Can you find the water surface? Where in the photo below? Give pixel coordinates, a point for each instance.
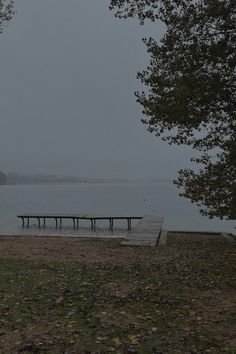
(160, 198)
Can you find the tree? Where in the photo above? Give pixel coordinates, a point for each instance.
(191, 92)
(6, 12)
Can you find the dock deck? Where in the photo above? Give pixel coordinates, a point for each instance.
(145, 233)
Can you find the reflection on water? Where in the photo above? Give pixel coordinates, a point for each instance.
(133, 198)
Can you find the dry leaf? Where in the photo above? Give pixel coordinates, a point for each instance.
(116, 341)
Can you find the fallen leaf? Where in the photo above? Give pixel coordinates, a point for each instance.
(155, 329)
(133, 339)
(59, 300)
(116, 341)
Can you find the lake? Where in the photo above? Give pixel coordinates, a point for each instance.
(160, 198)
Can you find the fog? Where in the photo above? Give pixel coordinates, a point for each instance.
(67, 105)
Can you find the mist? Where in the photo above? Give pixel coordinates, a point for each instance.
(67, 105)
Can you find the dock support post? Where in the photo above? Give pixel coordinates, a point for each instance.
(44, 222)
(129, 224)
(60, 223)
(23, 222)
(56, 222)
(39, 222)
(111, 224)
(77, 223)
(74, 223)
(27, 222)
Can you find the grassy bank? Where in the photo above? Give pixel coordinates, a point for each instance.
(79, 296)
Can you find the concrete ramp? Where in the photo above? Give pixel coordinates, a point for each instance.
(145, 233)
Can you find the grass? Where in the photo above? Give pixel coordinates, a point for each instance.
(175, 299)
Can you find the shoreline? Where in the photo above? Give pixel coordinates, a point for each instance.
(111, 234)
(88, 249)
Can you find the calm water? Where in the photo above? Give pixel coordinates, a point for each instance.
(132, 198)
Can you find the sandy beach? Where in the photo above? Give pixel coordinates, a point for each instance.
(88, 250)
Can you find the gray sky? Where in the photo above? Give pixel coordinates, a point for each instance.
(67, 77)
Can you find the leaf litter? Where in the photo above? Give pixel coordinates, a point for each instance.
(174, 299)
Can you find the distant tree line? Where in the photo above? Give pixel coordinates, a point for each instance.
(15, 178)
(3, 178)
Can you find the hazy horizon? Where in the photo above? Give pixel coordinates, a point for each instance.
(11, 174)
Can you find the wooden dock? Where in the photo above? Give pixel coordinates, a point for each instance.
(58, 218)
(145, 233)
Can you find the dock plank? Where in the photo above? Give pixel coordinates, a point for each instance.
(145, 233)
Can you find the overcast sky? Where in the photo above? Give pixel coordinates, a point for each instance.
(67, 77)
